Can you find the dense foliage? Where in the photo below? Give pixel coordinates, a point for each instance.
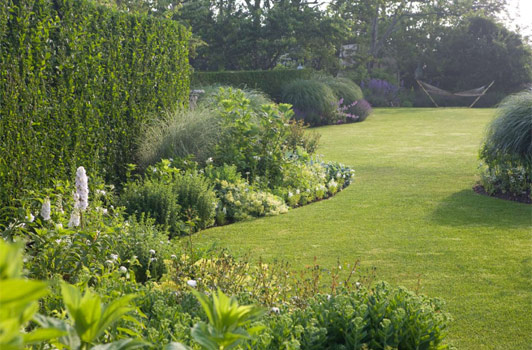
(507, 149)
(256, 160)
(131, 315)
(182, 202)
(76, 80)
(271, 82)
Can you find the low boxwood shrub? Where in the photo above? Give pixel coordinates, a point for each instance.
(312, 101)
(507, 148)
(155, 199)
(180, 201)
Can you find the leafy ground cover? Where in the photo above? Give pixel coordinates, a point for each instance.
(412, 214)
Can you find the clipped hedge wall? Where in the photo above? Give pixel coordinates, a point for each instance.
(268, 81)
(76, 79)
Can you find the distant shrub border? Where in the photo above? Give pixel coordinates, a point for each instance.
(76, 80)
(268, 81)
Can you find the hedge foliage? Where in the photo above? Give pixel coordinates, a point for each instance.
(268, 81)
(76, 80)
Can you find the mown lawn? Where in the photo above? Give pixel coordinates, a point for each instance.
(411, 213)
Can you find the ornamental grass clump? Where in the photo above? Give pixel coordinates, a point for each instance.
(180, 133)
(507, 148)
(345, 89)
(312, 100)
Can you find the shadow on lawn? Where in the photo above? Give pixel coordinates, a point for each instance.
(467, 208)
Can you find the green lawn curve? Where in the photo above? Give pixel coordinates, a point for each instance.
(412, 214)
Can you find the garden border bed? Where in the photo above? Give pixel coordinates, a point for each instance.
(525, 198)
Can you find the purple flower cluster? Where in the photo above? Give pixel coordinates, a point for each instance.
(382, 89)
(381, 86)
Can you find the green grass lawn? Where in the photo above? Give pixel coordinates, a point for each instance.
(411, 213)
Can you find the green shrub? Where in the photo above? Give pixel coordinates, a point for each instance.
(312, 101)
(507, 148)
(254, 142)
(156, 199)
(197, 199)
(76, 80)
(179, 134)
(181, 202)
(270, 81)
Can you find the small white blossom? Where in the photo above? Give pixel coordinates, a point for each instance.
(58, 226)
(153, 259)
(290, 194)
(46, 209)
(275, 310)
(297, 191)
(114, 256)
(109, 262)
(173, 256)
(123, 269)
(58, 241)
(209, 160)
(357, 284)
(192, 283)
(30, 217)
(152, 251)
(101, 192)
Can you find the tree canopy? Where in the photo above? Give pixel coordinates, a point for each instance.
(458, 44)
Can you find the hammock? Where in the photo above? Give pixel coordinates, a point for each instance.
(478, 92)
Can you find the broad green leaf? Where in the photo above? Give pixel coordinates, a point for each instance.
(69, 339)
(42, 334)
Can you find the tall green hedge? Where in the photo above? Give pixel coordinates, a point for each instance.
(76, 79)
(268, 81)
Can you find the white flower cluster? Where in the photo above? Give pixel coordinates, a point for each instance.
(46, 209)
(81, 197)
(82, 189)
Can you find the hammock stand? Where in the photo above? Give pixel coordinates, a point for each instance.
(479, 92)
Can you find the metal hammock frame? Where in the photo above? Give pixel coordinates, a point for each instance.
(478, 92)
